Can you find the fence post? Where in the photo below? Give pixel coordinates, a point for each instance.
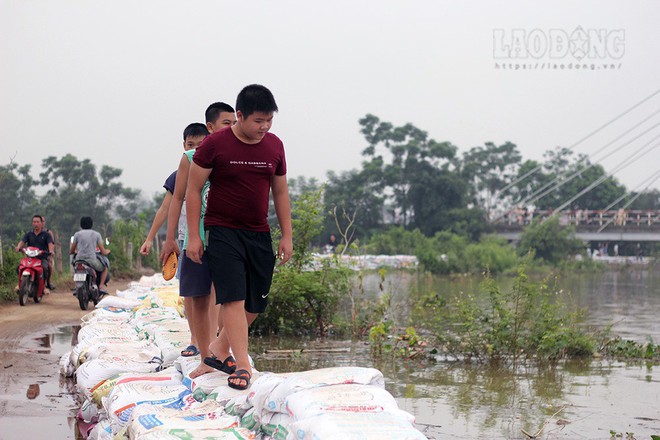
(58, 253)
(129, 252)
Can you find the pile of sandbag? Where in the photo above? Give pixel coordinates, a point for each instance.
(133, 383)
(361, 262)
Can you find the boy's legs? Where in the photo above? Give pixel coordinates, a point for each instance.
(220, 346)
(188, 307)
(195, 287)
(214, 316)
(201, 325)
(236, 328)
(242, 265)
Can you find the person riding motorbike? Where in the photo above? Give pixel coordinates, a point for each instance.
(41, 239)
(85, 243)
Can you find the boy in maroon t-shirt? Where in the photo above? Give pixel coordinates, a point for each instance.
(243, 164)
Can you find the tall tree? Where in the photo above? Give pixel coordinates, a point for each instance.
(77, 189)
(17, 199)
(489, 169)
(573, 176)
(407, 162)
(358, 194)
(646, 200)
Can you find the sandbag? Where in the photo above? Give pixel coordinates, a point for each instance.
(275, 425)
(67, 369)
(342, 398)
(106, 314)
(276, 401)
(91, 373)
(101, 431)
(363, 426)
(118, 302)
(123, 399)
(201, 434)
(169, 376)
(206, 415)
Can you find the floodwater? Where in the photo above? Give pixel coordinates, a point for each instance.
(597, 399)
(594, 399)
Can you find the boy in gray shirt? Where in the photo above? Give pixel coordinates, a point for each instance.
(85, 243)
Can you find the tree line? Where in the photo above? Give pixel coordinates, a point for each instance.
(405, 180)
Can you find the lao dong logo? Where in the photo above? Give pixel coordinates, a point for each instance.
(556, 44)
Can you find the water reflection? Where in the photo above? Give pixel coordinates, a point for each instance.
(573, 399)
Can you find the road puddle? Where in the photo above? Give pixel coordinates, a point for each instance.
(43, 406)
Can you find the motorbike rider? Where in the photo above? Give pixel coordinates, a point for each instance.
(85, 243)
(41, 239)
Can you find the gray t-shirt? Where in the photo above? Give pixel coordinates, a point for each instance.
(86, 241)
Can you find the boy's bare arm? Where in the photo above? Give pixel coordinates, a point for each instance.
(174, 212)
(159, 219)
(196, 179)
(280, 190)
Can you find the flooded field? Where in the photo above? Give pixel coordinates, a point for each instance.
(595, 399)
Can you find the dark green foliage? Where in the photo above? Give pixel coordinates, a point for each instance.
(626, 349)
(549, 241)
(561, 177)
(17, 199)
(446, 252)
(529, 320)
(126, 236)
(303, 300)
(77, 189)
(8, 275)
(488, 170)
(411, 174)
(354, 192)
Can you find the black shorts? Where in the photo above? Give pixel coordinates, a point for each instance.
(242, 264)
(195, 278)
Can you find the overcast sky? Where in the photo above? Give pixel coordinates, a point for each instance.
(117, 81)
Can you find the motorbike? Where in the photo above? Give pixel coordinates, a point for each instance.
(87, 283)
(31, 280)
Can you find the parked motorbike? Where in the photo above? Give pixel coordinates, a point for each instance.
(87, 283)
(31, 280)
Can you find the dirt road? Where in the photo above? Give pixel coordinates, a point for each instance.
(28, 366)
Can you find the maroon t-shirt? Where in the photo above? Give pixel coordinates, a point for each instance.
(240, 180)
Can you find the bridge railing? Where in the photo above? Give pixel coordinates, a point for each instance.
(586, 217)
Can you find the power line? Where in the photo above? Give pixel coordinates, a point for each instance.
(614, 203)
(529, 173)
(541, 192)
(534, 196)
(602, 178)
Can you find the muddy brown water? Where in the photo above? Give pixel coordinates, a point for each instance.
(576, 400)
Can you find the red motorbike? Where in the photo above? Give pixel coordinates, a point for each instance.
(31, 280)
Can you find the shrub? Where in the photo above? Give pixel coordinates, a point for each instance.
(528, 320)
(549, 241)
(304, 300)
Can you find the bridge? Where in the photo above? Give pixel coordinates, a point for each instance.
(590, 225)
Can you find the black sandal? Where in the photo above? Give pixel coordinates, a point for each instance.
(228, 366)
(243, 375)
